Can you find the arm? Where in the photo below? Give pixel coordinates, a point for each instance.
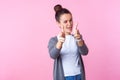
(80, 42)
(54, 47)
(82, 47)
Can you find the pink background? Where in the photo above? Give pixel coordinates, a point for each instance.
(27, 25)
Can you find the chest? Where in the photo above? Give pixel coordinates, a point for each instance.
(69, 47)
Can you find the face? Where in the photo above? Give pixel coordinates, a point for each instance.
(66, 23)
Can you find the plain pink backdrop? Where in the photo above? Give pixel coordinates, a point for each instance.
(27, 25)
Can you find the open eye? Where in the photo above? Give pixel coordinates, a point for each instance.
(70, 20)
(65, 21)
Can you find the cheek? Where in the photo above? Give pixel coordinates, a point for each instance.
(65, 26)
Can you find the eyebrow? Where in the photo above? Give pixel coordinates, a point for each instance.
(68, 20)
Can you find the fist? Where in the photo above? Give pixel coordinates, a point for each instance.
(61, 35)
(76, 32)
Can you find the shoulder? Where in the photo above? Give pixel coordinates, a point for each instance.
(53, 39)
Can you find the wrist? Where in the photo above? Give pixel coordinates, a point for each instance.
(79, 39)
(59, 44)
(80, 43)
(61, 39)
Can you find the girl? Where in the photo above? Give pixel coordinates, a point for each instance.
(66, 48)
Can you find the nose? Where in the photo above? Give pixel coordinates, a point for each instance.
(69, 23)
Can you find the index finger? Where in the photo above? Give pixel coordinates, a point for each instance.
(76, 25)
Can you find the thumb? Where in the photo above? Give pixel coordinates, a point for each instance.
(75, 30)
(62, 33)
(76, 25)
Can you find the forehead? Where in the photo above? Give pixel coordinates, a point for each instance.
(64, 17)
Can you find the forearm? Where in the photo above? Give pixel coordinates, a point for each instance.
(53, 50)
(82, 48)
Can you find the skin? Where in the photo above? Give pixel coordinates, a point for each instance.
(66, 25)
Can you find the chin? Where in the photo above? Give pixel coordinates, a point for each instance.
(69, 32)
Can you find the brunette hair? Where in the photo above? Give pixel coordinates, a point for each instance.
(59, 11)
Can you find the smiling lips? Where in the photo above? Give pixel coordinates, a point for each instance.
(70, 28)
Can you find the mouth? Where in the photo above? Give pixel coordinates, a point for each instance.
(69, 28)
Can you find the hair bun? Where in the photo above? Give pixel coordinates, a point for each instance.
(57, 7)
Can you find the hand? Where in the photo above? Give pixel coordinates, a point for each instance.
(76, 32)
(77, 36)
(61, 39)
(61, 35)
